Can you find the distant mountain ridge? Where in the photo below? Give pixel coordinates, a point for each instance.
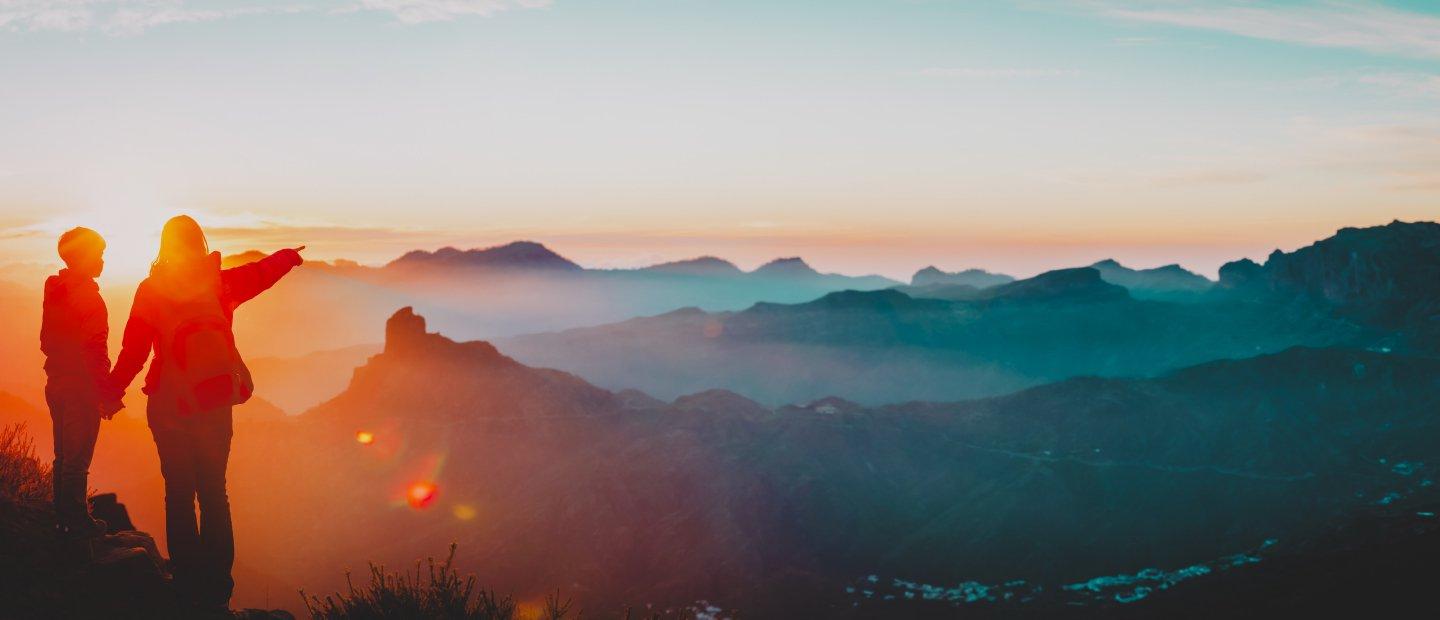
(880, 346)
(1080, 284)
(514, 288)
(1388, 275)
(514, 255)
(978, 278)
(702, 265)
(1373, 288)
(1169, 280)
(530, 255)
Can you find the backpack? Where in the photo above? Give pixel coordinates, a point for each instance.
(205, 369)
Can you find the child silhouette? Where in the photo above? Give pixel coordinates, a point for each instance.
(73, 332)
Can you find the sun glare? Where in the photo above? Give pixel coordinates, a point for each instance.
(421, 494)
(131, 230)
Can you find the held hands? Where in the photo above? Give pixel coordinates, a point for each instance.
(109, 407)
(110, 399)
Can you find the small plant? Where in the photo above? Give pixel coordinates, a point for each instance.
(440, 594)
(24, 479)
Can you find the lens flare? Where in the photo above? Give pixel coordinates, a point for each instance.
(464, 512)
(365, 437)
(421, 495)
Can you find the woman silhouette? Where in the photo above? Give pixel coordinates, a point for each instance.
(183, 312)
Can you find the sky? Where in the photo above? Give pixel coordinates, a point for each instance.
(868, 136)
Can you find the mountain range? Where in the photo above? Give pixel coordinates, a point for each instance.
(882, 346)
(1095, 440)
(961, 341)
(510, 289)
(630, 499)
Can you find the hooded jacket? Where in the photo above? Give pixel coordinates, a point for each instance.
(74, 330)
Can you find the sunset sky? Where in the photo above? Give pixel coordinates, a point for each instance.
(868, 136)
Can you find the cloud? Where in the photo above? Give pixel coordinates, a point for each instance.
(1397, 156)
(18, 232)
(1416, 85)
(1353, 25)
(1211, 178)
(1000, 73)
(1134, 41)
(1394, 84)
(421, 11)
(130, 17)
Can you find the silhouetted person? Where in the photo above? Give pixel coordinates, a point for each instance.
(73, 331)
(183, 313)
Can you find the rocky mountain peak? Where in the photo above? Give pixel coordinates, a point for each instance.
(978, 278)
(786, 267)
(405, 331)
(514, 255)
(1077, 284)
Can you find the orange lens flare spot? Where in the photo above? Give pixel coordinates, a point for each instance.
(421, 494)
(365, 437)
(464, 512)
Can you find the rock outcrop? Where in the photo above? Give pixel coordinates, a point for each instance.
(978, 278)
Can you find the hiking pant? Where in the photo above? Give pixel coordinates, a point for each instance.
(75, 417)
(194, 451)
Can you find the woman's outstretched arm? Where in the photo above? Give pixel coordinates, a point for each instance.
(243, 283)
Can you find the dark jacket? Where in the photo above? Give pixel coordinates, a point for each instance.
(74, 329)
(234, 286)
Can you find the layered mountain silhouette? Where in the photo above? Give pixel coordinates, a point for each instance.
(1367, 288)
(978, 278)
(883, 346)
(1387, 275)
(1167, 282)
(514, 288)
(713, 496)
(521, 255)
(702, 266)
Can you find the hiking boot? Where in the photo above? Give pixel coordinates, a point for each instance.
(84, 530)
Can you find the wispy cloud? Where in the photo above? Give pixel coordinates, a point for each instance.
(1399, 156)
(130, 17)
(997, 73)
(1356, 25)
(1134, 41)
(1395, 84)
(1213, 177)
(421, 11)
(1418, 85)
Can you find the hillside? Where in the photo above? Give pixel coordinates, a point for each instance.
(1168, 282)
(883, 346)
(719, 498)
(1386, 275)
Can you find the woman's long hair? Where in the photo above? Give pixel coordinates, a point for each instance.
(184, 254)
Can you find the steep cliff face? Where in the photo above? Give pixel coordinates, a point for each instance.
(1386, 275)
